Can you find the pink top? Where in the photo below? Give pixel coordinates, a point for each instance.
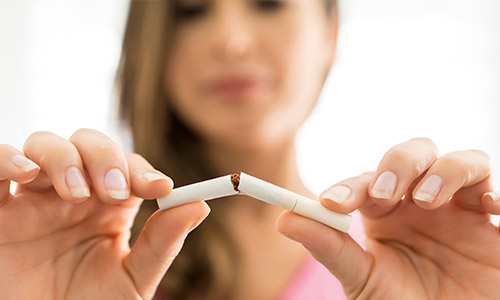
(313, 280)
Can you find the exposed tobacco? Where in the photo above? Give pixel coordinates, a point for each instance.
(235, 180)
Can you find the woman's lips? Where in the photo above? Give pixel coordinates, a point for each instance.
(235, 87)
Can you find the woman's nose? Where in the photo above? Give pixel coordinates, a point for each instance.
(233, 37)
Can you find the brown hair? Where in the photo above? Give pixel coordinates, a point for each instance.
(207, 264)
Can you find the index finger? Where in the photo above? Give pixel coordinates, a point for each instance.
(352, 194)
(105, 163)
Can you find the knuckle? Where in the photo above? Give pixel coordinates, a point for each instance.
(482, 155)
(47, 147)
(37, 135)
(408, 160)
(59, 155)
(82, 132)
(453, 165)
(424, 140)
(417, 145)
(136, 161)
(473, 162)
(399, 154)
(39, 140)
(449, 160)
(94, 142)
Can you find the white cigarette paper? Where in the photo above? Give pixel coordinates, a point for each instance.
(200, 191)
(293, 202)
(259, 189)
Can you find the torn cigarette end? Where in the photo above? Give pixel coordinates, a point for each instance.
(199, 191)
(235, 180)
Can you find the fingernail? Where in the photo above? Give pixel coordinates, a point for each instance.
(494, 196)
(429, 189)
(116, 185)
(24, 164)
(385, 185)
(153, 176)
(76, 183)
(338, 194)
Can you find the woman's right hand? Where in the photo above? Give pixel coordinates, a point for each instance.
(64, 232)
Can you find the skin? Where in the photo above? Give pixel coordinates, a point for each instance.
(54, 245)
(246, 39)
(444, 249)
(253, 131)
(57, 246)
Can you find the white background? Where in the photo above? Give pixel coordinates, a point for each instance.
(404, 69)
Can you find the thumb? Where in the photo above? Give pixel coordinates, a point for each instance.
(159, 243)
(336, 250)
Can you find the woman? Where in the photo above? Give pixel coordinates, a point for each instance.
(215, 87)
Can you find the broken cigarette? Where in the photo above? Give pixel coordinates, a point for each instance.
(204, 190)
(245, 184)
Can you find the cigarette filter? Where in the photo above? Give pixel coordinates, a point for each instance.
(248, 185)
(200, 191)
(293, 202)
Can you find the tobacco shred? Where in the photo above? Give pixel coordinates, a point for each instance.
(235, 180)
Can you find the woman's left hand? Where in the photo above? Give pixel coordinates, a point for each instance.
(427, 224)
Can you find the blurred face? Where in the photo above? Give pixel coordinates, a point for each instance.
(246, 73)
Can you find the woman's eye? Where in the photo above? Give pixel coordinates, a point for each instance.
(190, 12)
(269, 5)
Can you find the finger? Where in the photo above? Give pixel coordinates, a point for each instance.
(351, 194)
(399, 167)
(471, 197)
(14, 166)
(336, 250)
(348, 195)
(450, 173)
(491, 202)
(159, 243)
(60, 160)
(146, 182)
(105, 163)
